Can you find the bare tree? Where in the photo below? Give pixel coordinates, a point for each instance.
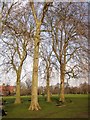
(46, 65)
(15, 53)
(38, 22)
(16, 41)
(67, 30)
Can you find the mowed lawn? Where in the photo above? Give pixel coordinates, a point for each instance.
(78, 108)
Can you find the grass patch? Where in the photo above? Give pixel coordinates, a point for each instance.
(78, 108)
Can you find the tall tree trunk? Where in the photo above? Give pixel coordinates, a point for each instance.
(18, 99)
(34, 97)
(62, 77)
(34, 94)
(48, 88)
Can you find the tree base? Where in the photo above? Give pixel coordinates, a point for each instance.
(62, 100)
(49, 101)
(17, 102)
(34, 106)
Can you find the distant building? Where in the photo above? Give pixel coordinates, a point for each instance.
(7, 90)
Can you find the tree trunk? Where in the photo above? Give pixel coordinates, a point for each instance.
(18, 99)
(62, 77)
(62, 70)
(34, 94)
(48, 88)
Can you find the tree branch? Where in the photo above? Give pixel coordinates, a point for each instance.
(45, 9)
(33, 11)
(71, 55)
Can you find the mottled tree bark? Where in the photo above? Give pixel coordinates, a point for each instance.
(34, 97)
(62, 77)
(18, 99)
(48, 87)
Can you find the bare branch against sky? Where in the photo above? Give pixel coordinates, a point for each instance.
(10, 1)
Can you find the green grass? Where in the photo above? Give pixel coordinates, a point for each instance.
(78, 108)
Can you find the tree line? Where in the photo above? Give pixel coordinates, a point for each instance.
(83, 88)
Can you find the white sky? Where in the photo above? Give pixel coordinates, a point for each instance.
(11, 79)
